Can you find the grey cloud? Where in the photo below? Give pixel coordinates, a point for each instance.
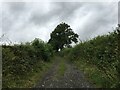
(100, 21)
(11, 13)
(27, 19)
(61, 10)
(16, 7)
(68, 9)
(119, 12)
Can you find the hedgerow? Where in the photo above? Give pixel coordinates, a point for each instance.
(103, 52)
(18, 60)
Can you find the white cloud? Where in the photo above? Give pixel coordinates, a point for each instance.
(26, 21)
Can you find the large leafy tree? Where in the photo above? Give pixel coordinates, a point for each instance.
(62, 36)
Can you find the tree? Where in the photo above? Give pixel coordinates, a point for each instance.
(62, 36)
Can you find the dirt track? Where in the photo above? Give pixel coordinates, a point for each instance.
(72, 77)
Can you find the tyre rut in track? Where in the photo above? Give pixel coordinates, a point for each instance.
(72, 78)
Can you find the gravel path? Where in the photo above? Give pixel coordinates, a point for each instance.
(72, 78)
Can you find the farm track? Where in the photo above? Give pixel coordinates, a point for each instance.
(71, 78)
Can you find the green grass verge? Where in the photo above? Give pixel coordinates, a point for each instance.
(94, 75)
(31, 78)
(61, 69)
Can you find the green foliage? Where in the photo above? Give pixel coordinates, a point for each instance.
(62, 37)
(118, 54)
(18, 60)
(42, 50)
(103, 52)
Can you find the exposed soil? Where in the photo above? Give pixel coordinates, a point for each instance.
(72, 78)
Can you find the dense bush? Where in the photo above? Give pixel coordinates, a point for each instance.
(118, 54)
(18, 60)
(102, 51)
(42, 50)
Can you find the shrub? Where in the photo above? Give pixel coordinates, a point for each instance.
(101, 51)
(18, 60)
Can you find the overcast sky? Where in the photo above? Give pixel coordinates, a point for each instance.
(24, 21)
